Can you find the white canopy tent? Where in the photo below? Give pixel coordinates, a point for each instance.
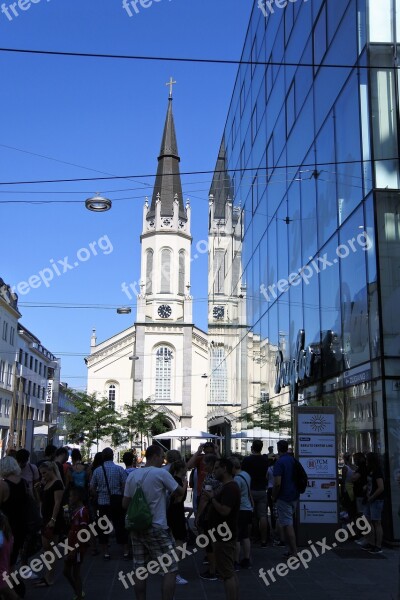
(270, 438)
(186, 433)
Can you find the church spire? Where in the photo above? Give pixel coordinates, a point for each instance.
(168, 180)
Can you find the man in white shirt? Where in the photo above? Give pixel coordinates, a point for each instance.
(157, 540)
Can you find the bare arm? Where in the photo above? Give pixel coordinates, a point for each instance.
(58, 496)
(277, 487)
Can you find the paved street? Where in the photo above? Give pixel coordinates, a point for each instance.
(343, 574)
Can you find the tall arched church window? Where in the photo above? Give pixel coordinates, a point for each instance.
(165, 271)
(112, 395)
(181, 282)
(163, 373)
(149, 271)
(218, 390)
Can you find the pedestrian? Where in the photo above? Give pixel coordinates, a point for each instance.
(374, 503)
(6, 543)
(224, 510)
(286, 494)
(14, 504)
(108, 482)
(93, 504)
(176, 509)
(157, 540)
(245, 514)
(129, 460)
(79, 521)
(52, 513)
(77, 475)
(197, 462)
(210, 483)
(29, 472)
(256, 466)
(171, 456)
(49, 454)
(347, 487)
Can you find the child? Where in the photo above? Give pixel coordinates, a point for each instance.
(79, 521)
(6, 544)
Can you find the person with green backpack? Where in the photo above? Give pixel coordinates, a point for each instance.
(145, 499)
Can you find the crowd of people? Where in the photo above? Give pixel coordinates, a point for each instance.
(237, 502)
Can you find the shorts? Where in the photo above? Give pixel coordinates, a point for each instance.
(224, 553)
(244, 520)
(117, 518)
(150, 545)
(286, 510)
(260, 503)
(373, 510)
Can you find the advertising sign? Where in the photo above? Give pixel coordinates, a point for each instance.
(316, 450)
(315, 445)
(320, 466)
(49, 392)
(318, 512)
(320, 489)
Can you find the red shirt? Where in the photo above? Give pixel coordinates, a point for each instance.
(79, 521)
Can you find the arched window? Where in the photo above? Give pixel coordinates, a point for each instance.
(163, 373)
(112, 394)
(149, 271)
(181, 282)
(218, 390)
(165, 271)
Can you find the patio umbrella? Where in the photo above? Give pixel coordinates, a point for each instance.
(186, 433)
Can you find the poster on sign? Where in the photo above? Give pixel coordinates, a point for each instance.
(316, 445)
(319, 466)
(320, 490)
(318, 512)
(316, 423)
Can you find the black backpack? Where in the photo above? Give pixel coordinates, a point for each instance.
(299, 477)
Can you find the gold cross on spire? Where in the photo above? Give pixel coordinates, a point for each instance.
(171, 82)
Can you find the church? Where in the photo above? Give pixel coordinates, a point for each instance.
(162, 357)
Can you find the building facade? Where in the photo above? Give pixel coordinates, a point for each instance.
(168, 352)
(309, 158)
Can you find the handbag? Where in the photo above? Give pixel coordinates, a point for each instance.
(115, 499)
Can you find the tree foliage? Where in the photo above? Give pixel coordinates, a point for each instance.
(141, 419)
(94, 420)
(269, 417)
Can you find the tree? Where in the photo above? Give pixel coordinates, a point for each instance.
(140, 418)
(269, 417)
(94, 420)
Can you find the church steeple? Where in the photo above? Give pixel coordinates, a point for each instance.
(168, 185)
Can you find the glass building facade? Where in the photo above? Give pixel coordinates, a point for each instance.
(310, 159)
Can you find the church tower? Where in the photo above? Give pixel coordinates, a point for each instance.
(166, 241)
(162, 357)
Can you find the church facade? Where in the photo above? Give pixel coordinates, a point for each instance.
(162, 357)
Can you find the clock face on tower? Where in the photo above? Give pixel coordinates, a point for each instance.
(218, 312)
(164, 311)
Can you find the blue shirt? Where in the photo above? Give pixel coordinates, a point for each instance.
(284, 467)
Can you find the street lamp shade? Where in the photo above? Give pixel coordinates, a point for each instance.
(98, 203)
(124, 310)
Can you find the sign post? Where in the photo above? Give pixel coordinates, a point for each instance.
(316, 449)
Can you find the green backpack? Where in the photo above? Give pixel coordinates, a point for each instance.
(138, 516)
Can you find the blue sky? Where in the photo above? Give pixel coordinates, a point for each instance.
(105, 115)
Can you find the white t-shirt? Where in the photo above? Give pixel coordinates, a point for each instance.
(156, 483)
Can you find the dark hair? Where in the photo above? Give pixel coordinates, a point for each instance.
(76, 455)
(23, 455)
(108, 454)
(97, 461)
(373, 461)
(153, 450)
(128, 459)
(358, 458)
(50, 450)
(257, 445)
(226, 463)
(172, 456)
(62, 451)
(282, 446)
(208, 445)
(177, 466)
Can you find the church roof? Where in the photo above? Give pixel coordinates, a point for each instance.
(168, 179)
(222, 186)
